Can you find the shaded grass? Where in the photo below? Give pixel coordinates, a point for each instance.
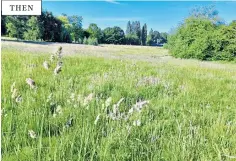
(191, 115)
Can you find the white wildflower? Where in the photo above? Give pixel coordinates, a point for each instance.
(46, 65)
(32, 134)
(30, 82)
(137, 123)
(97, 118)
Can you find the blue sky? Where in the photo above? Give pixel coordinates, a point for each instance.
(159, 15)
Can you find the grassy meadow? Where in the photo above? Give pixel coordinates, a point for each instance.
(112, 107)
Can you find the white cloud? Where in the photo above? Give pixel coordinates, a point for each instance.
(112, 1)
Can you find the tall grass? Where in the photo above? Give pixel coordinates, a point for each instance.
(191, 113)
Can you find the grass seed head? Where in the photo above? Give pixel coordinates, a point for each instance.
(69, 123)
(108, 102)
(14, 93)
(57, 70)
(46, 65)
(96, 120)
(13, 86)
(52, 58)
(30, 82)
(19, 99)
(138, 106)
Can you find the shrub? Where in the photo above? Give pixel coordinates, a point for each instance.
(85, 41)
(80, 41)
(225, 43)
(132, 39)
(199, 38)
(92, 41)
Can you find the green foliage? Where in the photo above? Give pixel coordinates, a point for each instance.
(63, 28)
(128, 28)
(225, 42)
(114, 35)
(32, 29)
(76, 27)
(95, 32)
(66, 28)
(144, 34)
(92, 41)
(132, 39)
(80, 41)
(85, 41)
(51, 27)
(149, 40)
(199, 38)
(164, 36)
(134, 31)
(3, 25)
(16, 26)
(155, 38)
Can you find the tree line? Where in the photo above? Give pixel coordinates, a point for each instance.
(64, 28)
(205, 36)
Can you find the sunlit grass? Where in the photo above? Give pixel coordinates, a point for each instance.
(191, 113)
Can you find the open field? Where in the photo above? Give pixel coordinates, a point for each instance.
(92, 109)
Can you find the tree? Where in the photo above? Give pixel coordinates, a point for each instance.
(144, 34)
(51, 27)
(164, 36)
(150, 37)
(76, 27)
(128, 28)
(32, 29)
(207, 12)
(16, 26)
(66, 28)
(136, 30)
(224, 42)
(114, 35)
(156, 37)
(95, 32)
(193, 39)
(132, 39)
(3, 25)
